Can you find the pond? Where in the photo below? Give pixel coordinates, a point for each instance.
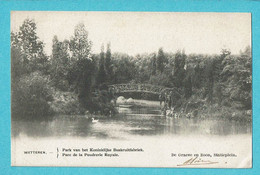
(129, 123)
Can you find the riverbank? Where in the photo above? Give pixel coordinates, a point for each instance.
(203, 110)
(193, 109)
(67, 103)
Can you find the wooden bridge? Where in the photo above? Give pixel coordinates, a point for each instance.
(142, 88)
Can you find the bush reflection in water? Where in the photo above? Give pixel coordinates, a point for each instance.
(130, 122)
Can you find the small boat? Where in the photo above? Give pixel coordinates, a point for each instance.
(93, 120)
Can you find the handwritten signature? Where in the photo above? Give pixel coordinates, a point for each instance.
(196, 161)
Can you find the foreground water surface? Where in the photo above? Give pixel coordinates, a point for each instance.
(129, 123)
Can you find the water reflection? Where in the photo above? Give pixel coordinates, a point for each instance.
(130, 122)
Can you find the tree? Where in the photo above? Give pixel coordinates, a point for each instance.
(80, 44)
(108, 66)
(59, 63)
(179, 68)
(30, 84)
(225, 52)
(188, 87)
(237, 78)
(18, 66)
(82, 68)
(197, 76)
(101, 76)
(124, 68)
(160, 61)
(31, 48)
(209, 74)
(153, 64)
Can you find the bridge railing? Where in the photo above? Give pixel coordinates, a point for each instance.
(117, 88)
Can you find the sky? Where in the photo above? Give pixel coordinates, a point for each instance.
(145, 32)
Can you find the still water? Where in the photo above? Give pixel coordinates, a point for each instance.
(129, 123)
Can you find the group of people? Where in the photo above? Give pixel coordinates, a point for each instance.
(168, 102)
(168, 99)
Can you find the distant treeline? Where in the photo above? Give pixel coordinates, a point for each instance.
(39, 81)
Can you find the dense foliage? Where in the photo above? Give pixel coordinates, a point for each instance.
(224, 80)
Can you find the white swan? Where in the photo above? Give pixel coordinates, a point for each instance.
(93, 120)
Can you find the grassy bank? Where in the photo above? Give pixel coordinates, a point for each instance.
(200, 109)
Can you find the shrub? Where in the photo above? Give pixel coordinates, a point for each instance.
(30, 96)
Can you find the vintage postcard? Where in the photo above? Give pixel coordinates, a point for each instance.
(131, 89)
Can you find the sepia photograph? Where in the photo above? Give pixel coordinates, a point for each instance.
(131, 89)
